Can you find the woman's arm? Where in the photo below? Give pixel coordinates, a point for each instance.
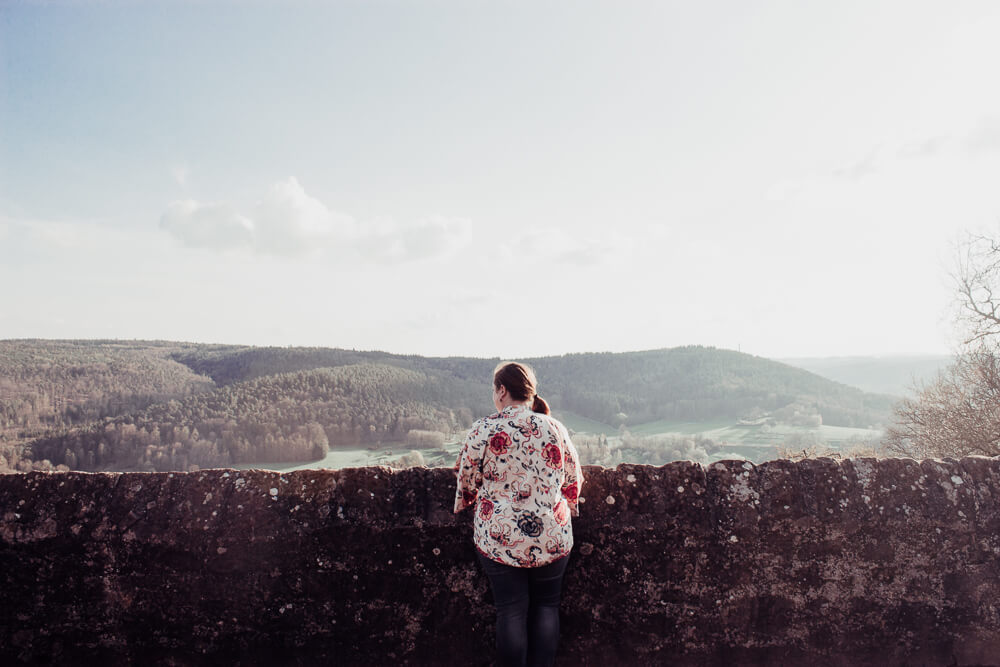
(573, 480)
(470, 468)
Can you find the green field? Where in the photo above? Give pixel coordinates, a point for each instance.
(680, 427)
(579, 424)
(734, 441)
(728, 432)
(833, 436)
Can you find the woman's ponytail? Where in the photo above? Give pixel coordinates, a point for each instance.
(519, 379)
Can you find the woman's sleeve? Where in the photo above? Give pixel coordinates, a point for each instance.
(470, 469)
(573, 481)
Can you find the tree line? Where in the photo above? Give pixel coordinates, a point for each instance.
(284, 417)
(170, 406)
(690, 383)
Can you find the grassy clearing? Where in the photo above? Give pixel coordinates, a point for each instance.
(735, 441)
(733, 436)
(680, 427)
(580, 424)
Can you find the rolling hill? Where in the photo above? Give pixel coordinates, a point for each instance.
(169, 406)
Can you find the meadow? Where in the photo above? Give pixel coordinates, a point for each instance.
(731, 439)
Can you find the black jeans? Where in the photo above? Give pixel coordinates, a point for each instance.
(527, 601)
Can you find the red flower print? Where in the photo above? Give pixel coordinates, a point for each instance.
(491, 472)
(552, 455)
(501, 534)
(485, 508)
(561, 513)
(499, 442)
(570, 492)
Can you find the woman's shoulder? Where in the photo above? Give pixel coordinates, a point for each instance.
(494, 417)
(553, 423)
(511, 417)
(487, 423)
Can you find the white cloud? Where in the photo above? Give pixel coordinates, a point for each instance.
(288, 222)
(285, 222)
(435, 236)
(214, 226)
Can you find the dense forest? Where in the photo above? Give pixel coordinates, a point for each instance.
(283, 417)
(678, 383)
(45, 384)
(95, 405)
(50, 387)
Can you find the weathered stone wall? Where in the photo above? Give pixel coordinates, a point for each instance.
(862, 562)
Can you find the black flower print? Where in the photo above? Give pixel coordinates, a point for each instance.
(530, 524)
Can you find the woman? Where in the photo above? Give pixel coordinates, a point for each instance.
(522, 474)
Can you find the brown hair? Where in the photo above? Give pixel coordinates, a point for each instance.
(519, 379)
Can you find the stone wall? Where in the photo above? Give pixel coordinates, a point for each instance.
(860, 562)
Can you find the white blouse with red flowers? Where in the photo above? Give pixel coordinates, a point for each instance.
(521, 471)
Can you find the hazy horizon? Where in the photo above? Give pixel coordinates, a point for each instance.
(516, 180)
(787, 360)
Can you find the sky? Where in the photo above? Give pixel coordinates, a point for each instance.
(496, 179)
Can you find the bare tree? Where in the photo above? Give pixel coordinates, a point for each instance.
(958, 413)
(978, 281)
(955, 415)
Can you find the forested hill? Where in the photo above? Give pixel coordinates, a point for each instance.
(677, 383)
(280, 417)
(55, 383)
(167, 406)
(697, 383)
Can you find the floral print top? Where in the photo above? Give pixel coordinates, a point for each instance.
(520, 471)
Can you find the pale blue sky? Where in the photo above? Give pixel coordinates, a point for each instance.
(495, 179)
